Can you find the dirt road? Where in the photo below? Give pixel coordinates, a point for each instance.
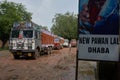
(60, 65)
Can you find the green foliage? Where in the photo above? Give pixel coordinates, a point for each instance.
(45, 28)
(65, 25)
(5, 48)
(11, 12)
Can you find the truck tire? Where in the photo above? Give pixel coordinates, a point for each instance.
(61, 47)
(16, 56)
(36, 54)
(49, 50)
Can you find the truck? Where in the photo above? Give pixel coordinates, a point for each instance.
(58, 42)
(73, 43)
(27, 39)
(66, 43)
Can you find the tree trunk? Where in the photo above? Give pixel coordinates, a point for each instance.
(3, 43)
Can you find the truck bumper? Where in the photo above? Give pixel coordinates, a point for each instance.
(23, 53)
(13, 51)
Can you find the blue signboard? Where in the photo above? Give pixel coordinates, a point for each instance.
(98, 30)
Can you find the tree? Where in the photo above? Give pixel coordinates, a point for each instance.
(65, 25)
(45, 28)
(11, 12)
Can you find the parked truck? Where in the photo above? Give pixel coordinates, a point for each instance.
(27, 39)
(73, 43)
(47, 41)
(66, 43)
(58, 42)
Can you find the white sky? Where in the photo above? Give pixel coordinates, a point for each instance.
(44, 10)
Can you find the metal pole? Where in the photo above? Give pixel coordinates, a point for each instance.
(76, 73)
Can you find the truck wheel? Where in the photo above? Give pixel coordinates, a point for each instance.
(61, 47)
(36, 54)
(49, 50)
(16, 56)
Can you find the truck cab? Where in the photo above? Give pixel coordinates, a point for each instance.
(24, 40)
(66, 43)
(58, 42)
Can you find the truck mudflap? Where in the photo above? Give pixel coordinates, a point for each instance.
(36, 54)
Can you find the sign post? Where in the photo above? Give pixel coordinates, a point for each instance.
(98, 30)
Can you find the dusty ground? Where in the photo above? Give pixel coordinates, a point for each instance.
(60, 65)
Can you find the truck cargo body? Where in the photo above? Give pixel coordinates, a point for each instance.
(47, 41)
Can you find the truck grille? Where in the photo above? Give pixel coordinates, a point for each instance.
(20, 45)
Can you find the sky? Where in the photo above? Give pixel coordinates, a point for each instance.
(43, 11)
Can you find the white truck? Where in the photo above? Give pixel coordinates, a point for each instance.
(28, 40)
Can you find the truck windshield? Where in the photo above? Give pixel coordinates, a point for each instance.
(66, 40)
(28, 33)
(15, 34)
(56, 40)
